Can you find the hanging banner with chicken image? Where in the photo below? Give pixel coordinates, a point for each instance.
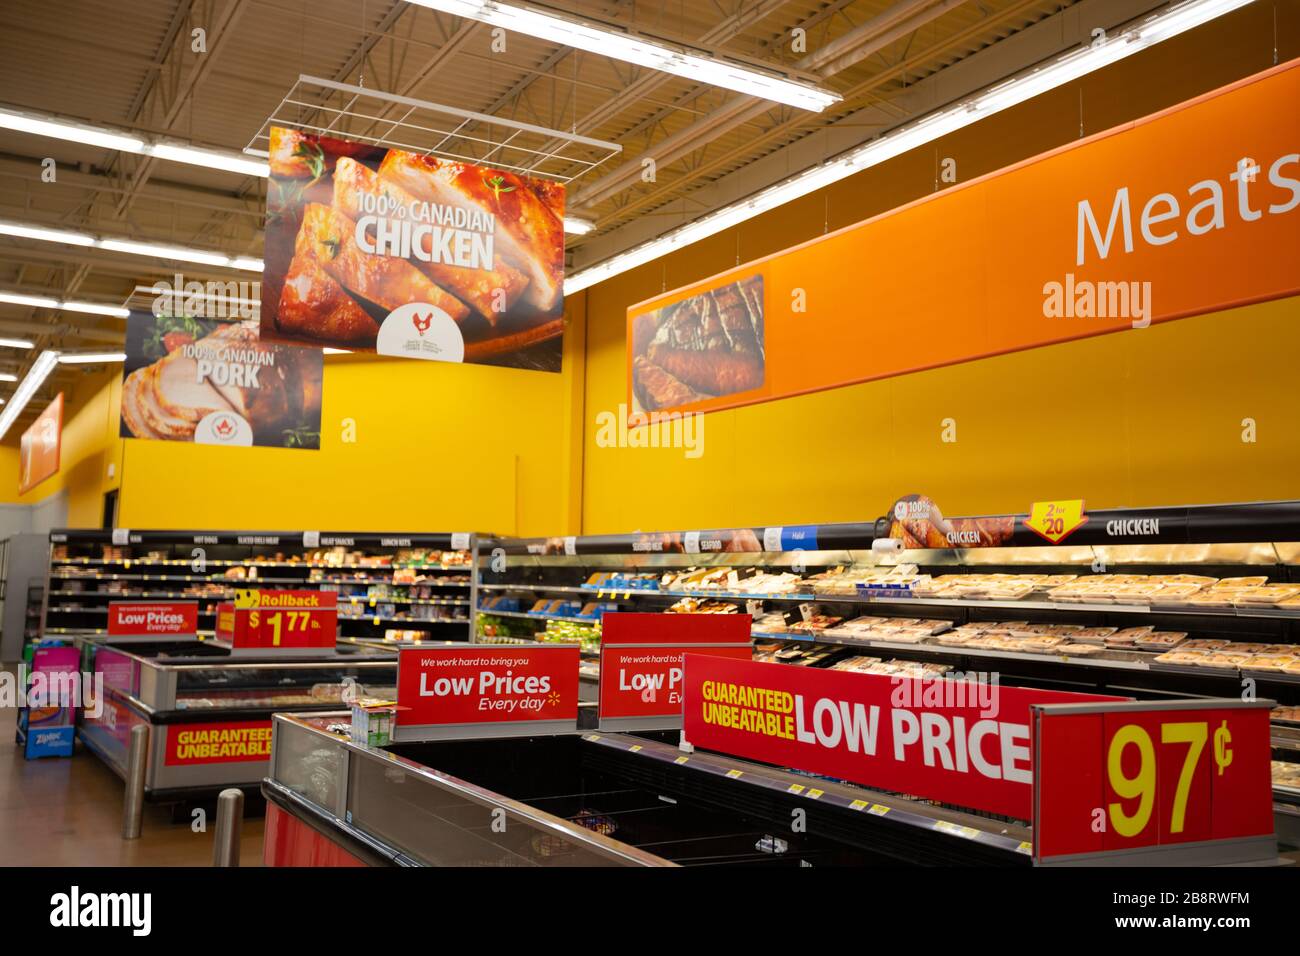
(411, 255)
(215, 382)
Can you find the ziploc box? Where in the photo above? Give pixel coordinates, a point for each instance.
(50, 725)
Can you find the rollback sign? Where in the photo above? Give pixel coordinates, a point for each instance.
(960, 742)
(457, 691)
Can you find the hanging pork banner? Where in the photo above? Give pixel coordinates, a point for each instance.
(410, 255)
(215, 382)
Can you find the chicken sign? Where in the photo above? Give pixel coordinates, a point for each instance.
(192, 377)
(404, 254)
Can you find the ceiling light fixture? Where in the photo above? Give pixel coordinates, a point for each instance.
(8, 377)
(16, 344)
(1173, 21)
(91, 358)
(35, 377)
(153, 250)
(578, 227)
(611, 42)
(44, 302)
(75, 132)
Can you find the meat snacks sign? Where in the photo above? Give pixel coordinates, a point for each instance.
(410, 255)
(217, 383)
(939, 739)
(458, 691)
(642, 663)
(153, 619)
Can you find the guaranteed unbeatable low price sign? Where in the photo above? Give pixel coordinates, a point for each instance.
(457, 691)
(966, 743)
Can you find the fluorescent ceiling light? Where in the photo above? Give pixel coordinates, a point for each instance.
(607, 41)
(91, 358)
(16, 344)
(578, 227)
(333, 351)
(35, 377)
(8, 377)
(46, 235)
(1175, 20)
(44, 302)
(153, 250)
(74, 132)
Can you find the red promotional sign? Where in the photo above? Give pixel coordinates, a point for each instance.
(961, 742)
(153, 618)
(642, 660)
(244, 741)
(1144, 776)
(449, 689)
(273, 621)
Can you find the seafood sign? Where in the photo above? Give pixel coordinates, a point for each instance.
(215, 382)
(409, 255)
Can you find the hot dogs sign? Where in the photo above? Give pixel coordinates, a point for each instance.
(411, 255)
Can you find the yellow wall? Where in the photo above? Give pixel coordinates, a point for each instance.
(1144, 417)
(437, 447)
(89, 445)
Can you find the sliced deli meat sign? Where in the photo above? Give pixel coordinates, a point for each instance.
(451, 691)
(150, 619)
(962, 742)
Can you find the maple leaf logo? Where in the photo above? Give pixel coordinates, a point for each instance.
(422, 324)
(224, 427)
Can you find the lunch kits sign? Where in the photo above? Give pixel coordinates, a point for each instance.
(410, 255)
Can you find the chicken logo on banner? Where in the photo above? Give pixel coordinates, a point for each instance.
(422, 324)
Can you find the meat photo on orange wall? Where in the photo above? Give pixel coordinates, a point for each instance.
(700, 348)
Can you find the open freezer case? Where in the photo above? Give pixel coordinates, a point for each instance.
(587, 800)
(209, 709)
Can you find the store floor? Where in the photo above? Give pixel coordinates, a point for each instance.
(68, 812)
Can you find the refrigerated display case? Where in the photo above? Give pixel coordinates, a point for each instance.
(394, 586)
(587, 800)
(1148, 602)
(208, 709)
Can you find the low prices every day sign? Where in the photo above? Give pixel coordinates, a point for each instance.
(153, 619)
(237, 742)
(469, 690)
(1124, 779)
(642, 663)
(271, 621)
(964, 742)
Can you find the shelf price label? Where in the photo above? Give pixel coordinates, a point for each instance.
(272, 621)
(1132, 778)
(1056, 520)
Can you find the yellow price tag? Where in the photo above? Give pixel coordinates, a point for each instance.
(1025, 848)
(815, 794)
(681, 760)
(1056, 520)
(796, 788)
(858, 805)
(733, 774)
(634, 748)
(878, 810)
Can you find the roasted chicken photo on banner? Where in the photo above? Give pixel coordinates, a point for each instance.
(411, 255)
